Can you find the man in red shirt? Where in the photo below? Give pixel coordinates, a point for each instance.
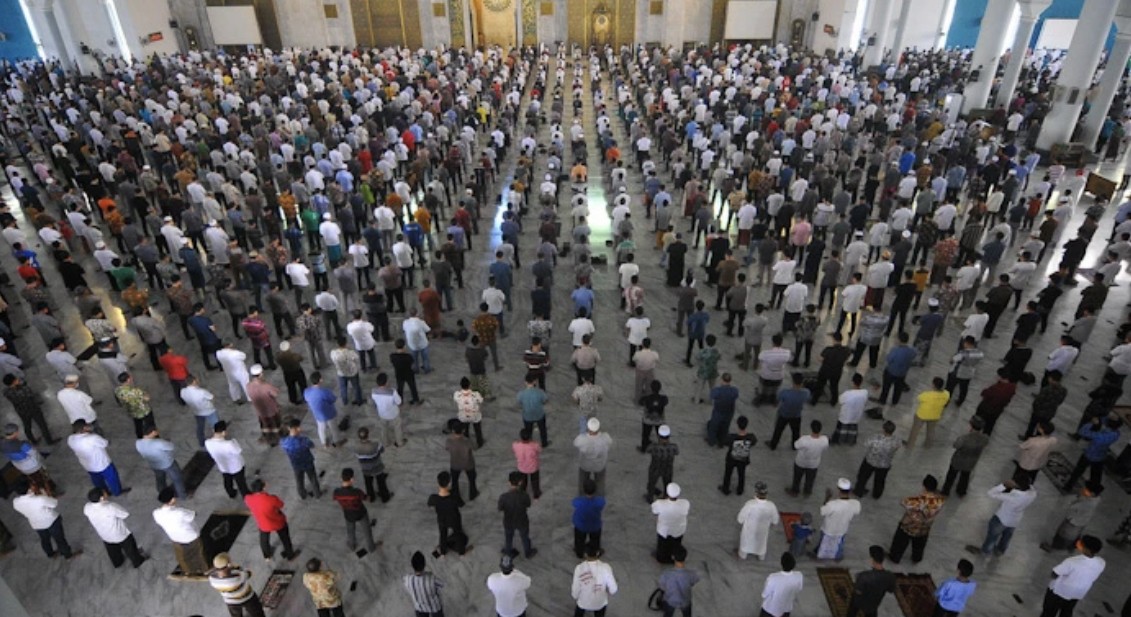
(267, 510)
(995, 399)
(176, 369)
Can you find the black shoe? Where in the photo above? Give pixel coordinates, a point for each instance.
(724, 490)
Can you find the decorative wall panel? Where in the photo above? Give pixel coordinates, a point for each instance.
(455, 21)
(530, 22)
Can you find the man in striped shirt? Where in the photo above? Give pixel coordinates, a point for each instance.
(234, 585)
(424, 589)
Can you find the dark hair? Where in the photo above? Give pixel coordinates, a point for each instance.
(788, 562)
(347, 473)
(965, 568)
(742, 422)
(815, 426)
(930, 483)
(444, 478)
(679, 554)
(877, 553)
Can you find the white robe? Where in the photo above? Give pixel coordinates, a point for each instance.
(235, 369)
(756, 518)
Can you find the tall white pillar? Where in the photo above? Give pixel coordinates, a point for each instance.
(1077, 71)
(900, 41)
(1018, 52)
(1113, 74)
(878, 27)
(987, 53)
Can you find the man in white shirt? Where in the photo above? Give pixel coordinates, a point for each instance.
(91, 451)
(388, 403)
(756, 518)
(509, 588)
(852, 404)
(636, 330)
(809, 450)
(331, 234)
(851, 301)
(76, 403)
(627, 270)
(361, 331)
(793, 302)
(416, 337)
(177, 522)
(780, 592)
(593, 583)
(1074, 577)
(109, 521)
(877, 278)
(228, 455)
(975, 324)
(40, 510)
(579, 327)
(837, 515)
(299, 274)
(671, 522)
(1015, 496)
(234, 364)
(783, 277)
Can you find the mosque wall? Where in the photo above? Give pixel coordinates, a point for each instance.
(303, 23)
(143, 20)
(18, 43)
(553, 25)
(435, 28)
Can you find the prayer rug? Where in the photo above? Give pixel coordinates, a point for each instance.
(1058, 469)
(196, 470)
(837, 584)
(915, 594)
(787, 521)
(221, 531)
(276, 588)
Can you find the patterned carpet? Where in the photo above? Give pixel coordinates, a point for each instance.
(837, 584)
(915, 594)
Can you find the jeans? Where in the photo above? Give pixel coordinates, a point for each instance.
(120, 551)
(473, 491)
(963, 478)
(344, 387)
(310, 473)
(541, 429)
(328, 429)
(107, 479)
(997, 537)
(733, 466)
(54, 532)
(284, 537)
(899, 545)
(366, 534)
(508, 539)
(205, 421)
(173, 474)
(779, 428)
(864, 473)
(669, 610)
(233, 480)
(799, 473)
(893, 384)
(584, 541)
(421, 361)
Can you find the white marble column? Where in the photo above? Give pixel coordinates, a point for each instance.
(987, 53)
(878, 27)
(1113, 74)
(1077, 71)
(901, 29)
(1030, 12)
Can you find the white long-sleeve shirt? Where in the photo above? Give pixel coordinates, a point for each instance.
(227, 453)
(780, 592)
(108, 520)
(1013, 503)
(593, 583)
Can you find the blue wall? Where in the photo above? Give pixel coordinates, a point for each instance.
(968, 19)
(18, 44)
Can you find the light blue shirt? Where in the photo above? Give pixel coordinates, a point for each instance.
(157, 452)
(954, 593)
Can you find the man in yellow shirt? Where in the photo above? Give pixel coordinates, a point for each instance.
(929, 411)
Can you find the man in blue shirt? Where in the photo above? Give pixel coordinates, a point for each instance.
(298, 449)
(696, 329)
(1100, 434)
(676, 583)
(954, 592)
(510, 231)
(587, 510)
(503, 274)
(790, 403)
(533, 401)
(724, 397)
(897, 365)
(321, 402)
(205, 332)
(582, 300)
